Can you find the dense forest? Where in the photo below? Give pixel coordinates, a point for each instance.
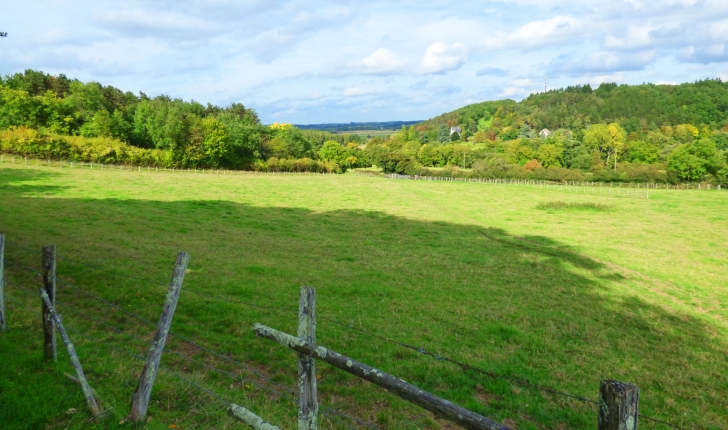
(614, 132)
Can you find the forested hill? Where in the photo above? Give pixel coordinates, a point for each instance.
(637, 108)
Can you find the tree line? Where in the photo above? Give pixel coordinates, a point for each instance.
(615, 132)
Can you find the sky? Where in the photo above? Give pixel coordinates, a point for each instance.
(324, 61)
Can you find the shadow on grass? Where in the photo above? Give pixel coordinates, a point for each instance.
(521, 306)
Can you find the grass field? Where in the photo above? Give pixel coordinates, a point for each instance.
(562, 289)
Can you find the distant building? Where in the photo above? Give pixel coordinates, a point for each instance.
(455, 129)
(543, 134)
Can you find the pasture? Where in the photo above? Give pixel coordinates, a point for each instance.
(558, 288)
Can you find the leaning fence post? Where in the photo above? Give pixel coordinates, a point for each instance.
(2, 282)
(140, 398)
(307, 401)
(618, 405)
(87, 391)
(49, 283)
(245, 416)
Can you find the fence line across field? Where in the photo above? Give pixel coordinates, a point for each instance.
(464, 366)
(48, 162)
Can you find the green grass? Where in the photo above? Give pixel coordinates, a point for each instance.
(564, 298)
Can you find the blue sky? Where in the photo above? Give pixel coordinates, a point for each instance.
(340, 61)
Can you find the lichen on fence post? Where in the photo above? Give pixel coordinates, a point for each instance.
(245, 416)
(307, 401)
(140, 398)
(618, 405)
(49, 284)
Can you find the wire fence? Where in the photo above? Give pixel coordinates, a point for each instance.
(574, 186)
(281, 390)
(139, 168)
(610, 188)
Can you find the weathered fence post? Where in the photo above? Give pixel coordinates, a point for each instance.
(245, 416)
(49, 283)
(618, 405)
(2, 282)
(140, 398)
(307, 401)
(87, 391)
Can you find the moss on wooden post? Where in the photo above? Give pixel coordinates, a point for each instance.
(140, 398)
(618, 405)
(49, 284)
(307, 401)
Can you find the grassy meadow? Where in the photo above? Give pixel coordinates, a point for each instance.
(560, 288)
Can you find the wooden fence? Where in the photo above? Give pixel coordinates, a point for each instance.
(618, 401)
(618, 405)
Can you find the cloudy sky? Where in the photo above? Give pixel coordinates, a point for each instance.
(339, 61)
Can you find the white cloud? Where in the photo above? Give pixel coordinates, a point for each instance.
(382, 62)
(603, 62)
(356, 91)
(636, 37)
(145, 23)
(536, 34)
(439, 57)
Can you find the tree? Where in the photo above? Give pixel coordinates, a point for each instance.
(608, 139)
(692, 161)
(642, 152)
(215, 144)
(16, 108)
(442, 134)
(550, 155)
(331, 151)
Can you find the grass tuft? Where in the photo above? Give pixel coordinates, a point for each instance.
(585, 206)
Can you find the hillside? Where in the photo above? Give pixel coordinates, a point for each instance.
(637, 108)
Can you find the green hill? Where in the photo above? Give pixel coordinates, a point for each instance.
(637, 108)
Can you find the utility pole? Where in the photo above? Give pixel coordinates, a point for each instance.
(545, 83)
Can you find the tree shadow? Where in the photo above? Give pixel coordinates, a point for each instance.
(527, 307)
